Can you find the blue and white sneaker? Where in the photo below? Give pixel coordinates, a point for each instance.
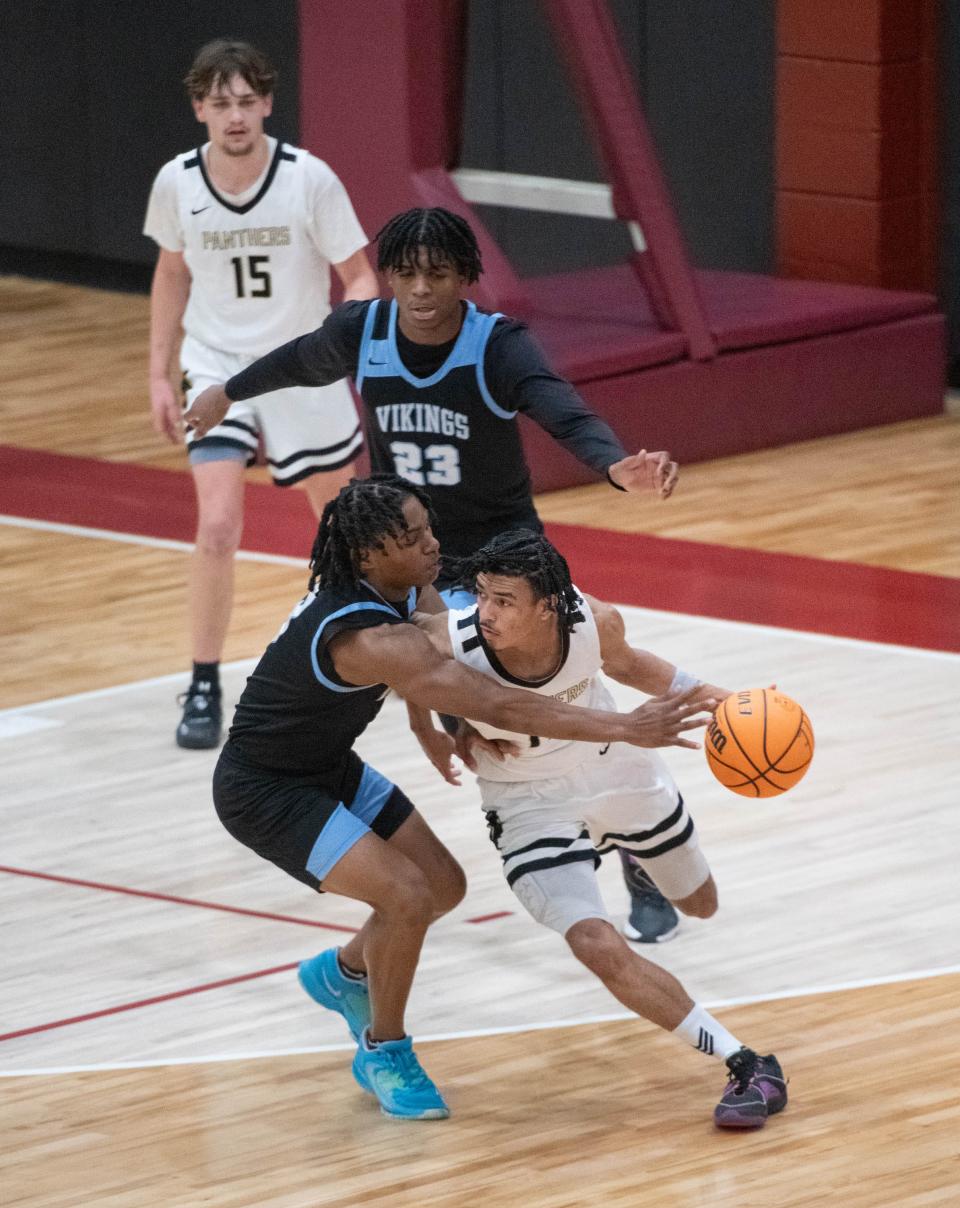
(392, 1072)
(321, 978)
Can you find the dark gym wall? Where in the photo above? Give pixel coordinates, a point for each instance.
(950, 108)
(94, 106)
(704, 74)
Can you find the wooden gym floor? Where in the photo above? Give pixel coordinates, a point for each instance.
(155, 1047)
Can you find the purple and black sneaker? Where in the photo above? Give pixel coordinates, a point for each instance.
(757, 1089)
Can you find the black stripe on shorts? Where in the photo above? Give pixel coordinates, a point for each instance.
(568, 857)
(340, 444)
(537, 843)
(612, 840)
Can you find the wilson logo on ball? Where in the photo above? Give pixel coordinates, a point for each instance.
(759, 743)
(715, 736)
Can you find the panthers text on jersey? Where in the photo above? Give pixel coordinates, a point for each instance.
(260, 260)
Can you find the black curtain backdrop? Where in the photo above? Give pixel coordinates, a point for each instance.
(93, 106)
(950, 127)
(705, 76)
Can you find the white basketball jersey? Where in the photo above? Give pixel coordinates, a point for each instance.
(575, 682)
(259, 260)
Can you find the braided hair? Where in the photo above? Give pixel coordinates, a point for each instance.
(365, 512)
(445, 237)
(524, 554)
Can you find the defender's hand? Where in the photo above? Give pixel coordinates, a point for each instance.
(439, 747)
(645, 471)
(207, 411)
(661, 721)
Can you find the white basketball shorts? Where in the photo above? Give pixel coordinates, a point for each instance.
(551, 833)
(305, 430)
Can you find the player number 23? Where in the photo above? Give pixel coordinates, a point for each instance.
(435, 466)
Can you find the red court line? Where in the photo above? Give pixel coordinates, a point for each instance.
(139, 499)
(169, 897)
(823, 596)
(847, 599)
(147, 1002)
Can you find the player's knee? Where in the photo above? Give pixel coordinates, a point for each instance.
(449, 888)
(702, 903)
(409, 899)
(595, 943)
(219, 535)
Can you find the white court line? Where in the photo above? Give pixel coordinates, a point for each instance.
(629, 610)
(185, 547)
(118, 689)
(248, 664)
(254, 556)
(517, 1029)
(16, 725)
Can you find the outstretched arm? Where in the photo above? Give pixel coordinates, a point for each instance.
(642, 669)
(521, 380)
(315, 359)
(406, 660)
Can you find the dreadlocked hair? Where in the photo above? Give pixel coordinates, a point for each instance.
(445, 237)
(366, 511)
(524, 554)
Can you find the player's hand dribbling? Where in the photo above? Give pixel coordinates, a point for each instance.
(208, 409)
(645, 471)
(470, 741)
(165, 413)
(661, 721)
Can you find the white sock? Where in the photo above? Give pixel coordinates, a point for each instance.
(349, 974)
(702, 1031)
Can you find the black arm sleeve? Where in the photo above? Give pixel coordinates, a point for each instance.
(519, 379)
(315, 359)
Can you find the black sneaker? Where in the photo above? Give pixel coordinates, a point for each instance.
(652, 918)
(202, 718)
(757, 1089)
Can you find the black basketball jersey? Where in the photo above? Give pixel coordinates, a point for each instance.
(296, 715)
(445, 432)
(446, 416)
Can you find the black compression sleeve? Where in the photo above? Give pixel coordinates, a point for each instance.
(520, 379)
(315, 359)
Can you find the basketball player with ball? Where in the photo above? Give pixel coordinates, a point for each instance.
(555, 806)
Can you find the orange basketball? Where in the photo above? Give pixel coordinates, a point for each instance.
(759, 743)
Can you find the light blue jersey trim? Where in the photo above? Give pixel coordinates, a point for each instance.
(456, 597)
(341, 612)
(381, 358)
(340, 832)
(365, 342)
(485, 394)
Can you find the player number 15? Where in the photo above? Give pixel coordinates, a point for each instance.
(254, 273)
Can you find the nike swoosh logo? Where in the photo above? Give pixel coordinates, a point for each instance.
(200, 211)
(326, 982)
(373, 362)
(604, 750)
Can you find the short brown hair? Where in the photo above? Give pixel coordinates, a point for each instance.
(220, 60)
